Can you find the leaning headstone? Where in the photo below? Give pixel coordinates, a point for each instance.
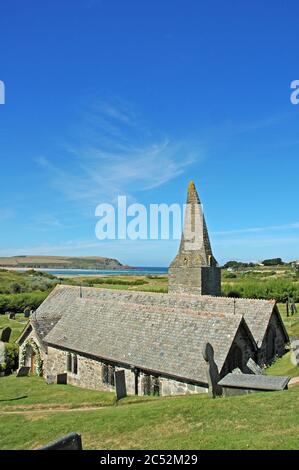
(254, 368)
(212, 371)
(23, 371)
(61, 379)
(5, 334)
(12, 316)
(120, 384)
(27, 313)
(2, 352)
(70, 442)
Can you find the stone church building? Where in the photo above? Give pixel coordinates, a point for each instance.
(156, 339)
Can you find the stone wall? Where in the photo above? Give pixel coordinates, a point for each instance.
(89, 375)
(205, 280)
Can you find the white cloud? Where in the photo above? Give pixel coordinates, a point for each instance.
(114, 155)
(294, 225)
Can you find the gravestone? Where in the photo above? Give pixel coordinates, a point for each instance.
(5, 334)
(239, 384)
(254, 368)
(26, 313)
(11, 316)
(50, 379)
(61, 379)
(71, 441)
(120, 384)
(294, 351)
(23, 371)
(2, 352)
(212, 371)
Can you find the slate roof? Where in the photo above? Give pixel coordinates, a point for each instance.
(257, 313)
(166, 339)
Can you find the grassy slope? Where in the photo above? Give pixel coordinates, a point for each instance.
(257, 421)
(23, 392)
(16, 325)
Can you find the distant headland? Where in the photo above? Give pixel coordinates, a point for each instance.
(61, 262)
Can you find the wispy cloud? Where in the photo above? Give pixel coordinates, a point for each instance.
(270, 228)
(115, 153)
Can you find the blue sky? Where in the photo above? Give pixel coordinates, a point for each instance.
(128, 97)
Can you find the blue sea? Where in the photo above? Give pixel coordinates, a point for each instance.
(140, 271)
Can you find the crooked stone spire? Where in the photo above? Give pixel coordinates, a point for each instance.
(194, 269)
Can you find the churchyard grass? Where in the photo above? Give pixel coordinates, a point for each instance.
(16, 325)
(32, 392)
(284, 366)
(256, 421)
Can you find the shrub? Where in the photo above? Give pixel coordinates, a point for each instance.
(15, 288)
(11, 357)
(18, 302)
(277, 289)
(227, 275)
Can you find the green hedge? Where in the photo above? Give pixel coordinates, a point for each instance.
(270, 289)
(18, 302)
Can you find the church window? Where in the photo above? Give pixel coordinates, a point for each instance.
(155, 386)
(75, 364)
(72, 363)
(151, 385)
(108, 372)
(69, 362)
(146, 384)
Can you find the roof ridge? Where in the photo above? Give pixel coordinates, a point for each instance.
(182, 296)
(164, 309)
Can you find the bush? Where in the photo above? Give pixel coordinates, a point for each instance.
(11, 357)
(15, 288)
(11, 353)
(18, 302)
(272, 262)
(234, 294)
(227, 275)
(277, 289)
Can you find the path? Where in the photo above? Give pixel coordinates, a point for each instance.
(52, 410)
